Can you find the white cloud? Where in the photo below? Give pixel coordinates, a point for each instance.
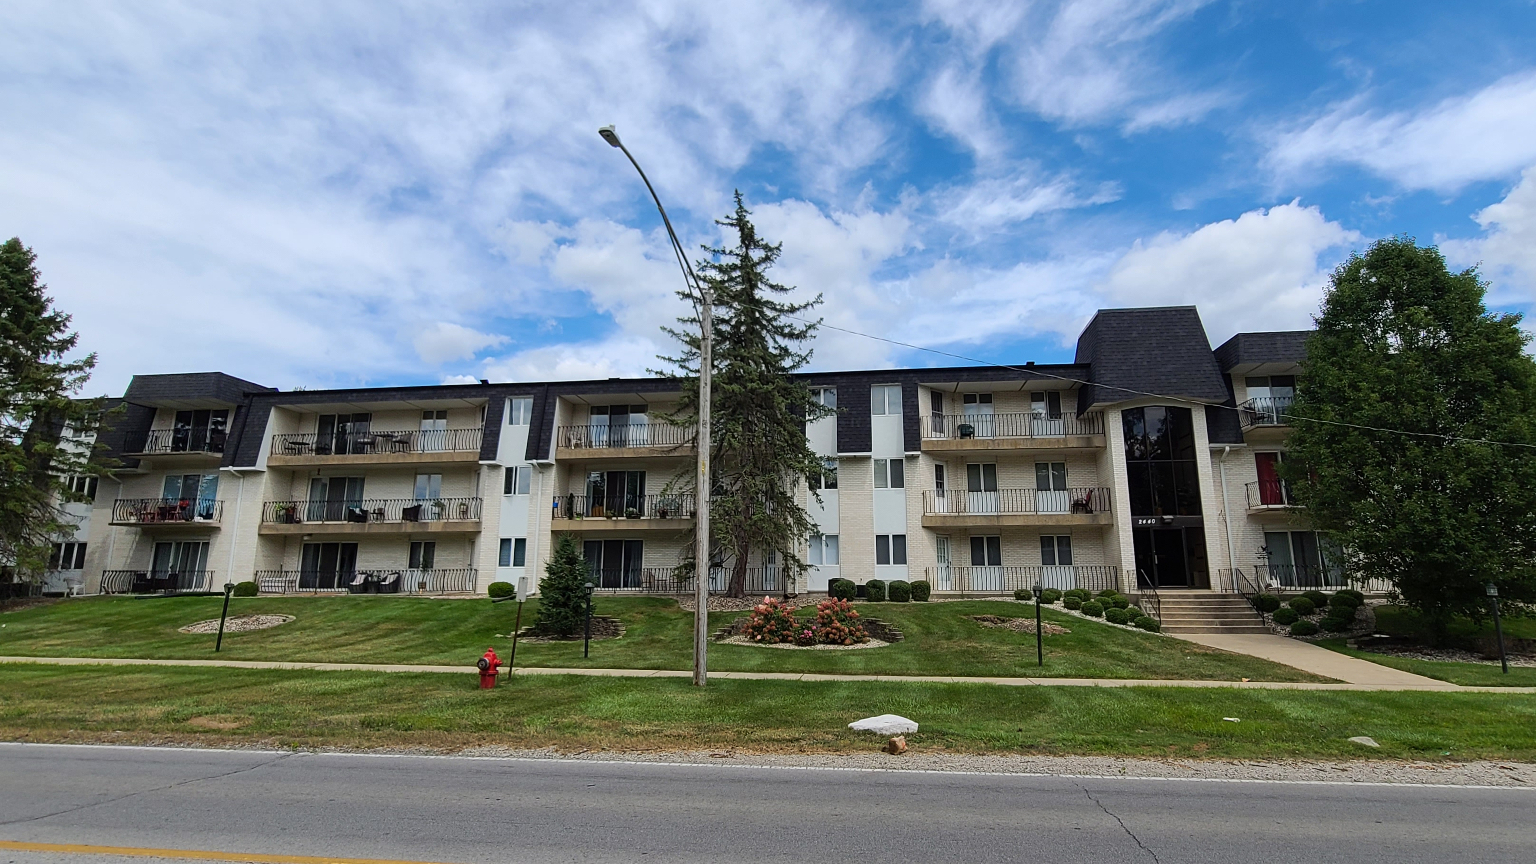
(1488, 134)
(994, 203)
(1263, 270)
(577, 361)
(445, 341)
(1507, 250)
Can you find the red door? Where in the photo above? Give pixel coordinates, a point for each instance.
(1271, 492)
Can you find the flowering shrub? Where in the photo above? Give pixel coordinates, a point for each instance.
(773, 621)
(838, 624)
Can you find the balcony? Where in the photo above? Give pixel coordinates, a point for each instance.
(185, 445)
(1269, 496)
(1016, 508)
(377, 447)
(1265, 412)
(372, 516)
(1013, 431)
(623, 440)
(665, 580)
(446, 580)
(622, 512)
(168, 512)
(1006, 580)
(157, 581)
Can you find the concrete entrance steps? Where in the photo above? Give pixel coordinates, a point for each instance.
(1208, 612)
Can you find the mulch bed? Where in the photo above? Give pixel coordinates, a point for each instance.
(1017, 625)
(603, 627)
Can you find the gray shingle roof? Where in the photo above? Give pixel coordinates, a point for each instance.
(1161, 350)
(1281, 346)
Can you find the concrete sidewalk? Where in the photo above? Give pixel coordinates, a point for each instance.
(1312, 658)
(1414, 684)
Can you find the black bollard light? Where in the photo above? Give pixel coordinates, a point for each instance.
(1039, 628)
(1498, 628)
(586, 643)
(229, 588)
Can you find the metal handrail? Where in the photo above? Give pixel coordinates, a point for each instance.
(622, 506)
(1269, 493)
(601, 436)
(188, 440)
(1007, 579)
(377, 441)
(1019, 424)
(1266, 411)
(159, 511)
(372, 510)
(150, 580)
(1010, 502)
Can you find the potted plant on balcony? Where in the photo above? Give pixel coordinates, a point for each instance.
(632, 513)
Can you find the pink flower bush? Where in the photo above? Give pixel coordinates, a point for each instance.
(772, 622)
(837, 623)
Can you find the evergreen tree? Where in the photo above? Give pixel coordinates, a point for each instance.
(1404, 344)
(37, 390)
(758, 407)
(563, 591)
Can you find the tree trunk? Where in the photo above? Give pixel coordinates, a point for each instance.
(738, 585)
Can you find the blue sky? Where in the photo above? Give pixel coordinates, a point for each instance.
(345, 194)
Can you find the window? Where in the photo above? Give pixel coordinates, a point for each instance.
(938, 478)
(1160, 461)
(1055, 550)
(824, 396)
(513, 553)
(823, 550)
(516, 480)
(67, 556)
(82, 484)
(827, 479)
(87, 428)
(987, 551)
(976, 399)
(616, 493)
(429, 487)
(520, 411)
(199, 431)
(890, 549)
(504, 554)
(885, 399)
(422, 554)
(889, 474)
(1051, 476)
(338, 434)
(1047, 402)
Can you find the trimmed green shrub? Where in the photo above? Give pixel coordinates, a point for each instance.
(1266, 602)
(1073, 603)
(874, 590)
(1135, 611)
(899, 591)
(1108, 593)
(1287, 615)
(1049, 596)
(1317, 597)
(842, 589)
(1149, 624)
(246, 589)
(1117, 616)
(1344, 601)
(921, 589)
(1303, 606)
(1303, 628)
(1334, 624)
(1080, 593)
(1352, 593)
(1025, 595)
(1093, 608)
(497, 590)
(1120, 601)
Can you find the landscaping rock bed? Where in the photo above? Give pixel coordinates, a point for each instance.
(238, 624)
(1018, 625)
(719, 603)
(1411, 650)
(603, 627)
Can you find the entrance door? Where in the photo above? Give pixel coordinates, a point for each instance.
(981, 487)
(1051, 487)
(327, 566)
(944, 576)
(332, 498)
(978, 414)
(986, 564)
(1272, 491)
(615, 563)
(1056, 562)
(1045, 414)
(434, 431)
(1168, 553)
(181, 564)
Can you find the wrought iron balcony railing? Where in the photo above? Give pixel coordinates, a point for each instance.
(363, 511)
(1006, 580)
(1269, 493)
(156, 511)
(1015, 502)
(604, 436)
(151, 581)
(447, 580)
(1021, 424)
(624, 506)
(191, 439)
(376, 441)
(1265, 411)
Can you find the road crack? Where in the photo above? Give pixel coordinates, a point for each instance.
(1121, 822)
(125, 797)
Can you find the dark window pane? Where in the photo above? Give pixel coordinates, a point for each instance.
(898, 548)
(519, 552)
(1187, 489)
(882, 548)
(1181, 434)
(1064, 549)
(1047, 550)
(978, 551)
(1133, 422)
(1157, 432)
(1139, 484)
(1164, 496)
(995, 551)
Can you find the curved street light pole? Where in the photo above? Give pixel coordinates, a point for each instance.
(705, 299)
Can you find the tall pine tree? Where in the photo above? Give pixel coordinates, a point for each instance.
(1404, 344)
(758, 410)
(563, 591)
(37, 403)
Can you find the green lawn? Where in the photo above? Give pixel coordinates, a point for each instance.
(940, 640)
(1402, 621)
(1466, 674)
(446, 712)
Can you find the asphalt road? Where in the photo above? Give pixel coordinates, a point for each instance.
(494, 810)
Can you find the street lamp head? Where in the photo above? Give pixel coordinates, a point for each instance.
(610, 134)
(1038, 589)
(1492, 589)
(590, 587)
(229, 587)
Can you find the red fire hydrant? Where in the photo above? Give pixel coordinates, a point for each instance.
(487, 665)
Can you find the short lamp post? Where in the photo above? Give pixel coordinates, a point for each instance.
(1039, 629)
(586, 643)
(1498, 628)
(229, 588)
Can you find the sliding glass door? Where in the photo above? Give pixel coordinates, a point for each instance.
(327, 566)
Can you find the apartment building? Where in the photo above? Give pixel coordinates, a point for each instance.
(1149, 460)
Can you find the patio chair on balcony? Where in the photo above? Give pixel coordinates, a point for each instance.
(1083, 503)
(359, 583)
(411, 513)
(389, 583)
(297, 448)
(357, 514)
(966, 430)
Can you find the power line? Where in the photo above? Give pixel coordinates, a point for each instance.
(1034, 371)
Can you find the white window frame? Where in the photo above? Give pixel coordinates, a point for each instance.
(891, 547)
(890, 473)
(520, 411)
(518, 480)
(823, 551)
(825, 396)
(881, 399)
